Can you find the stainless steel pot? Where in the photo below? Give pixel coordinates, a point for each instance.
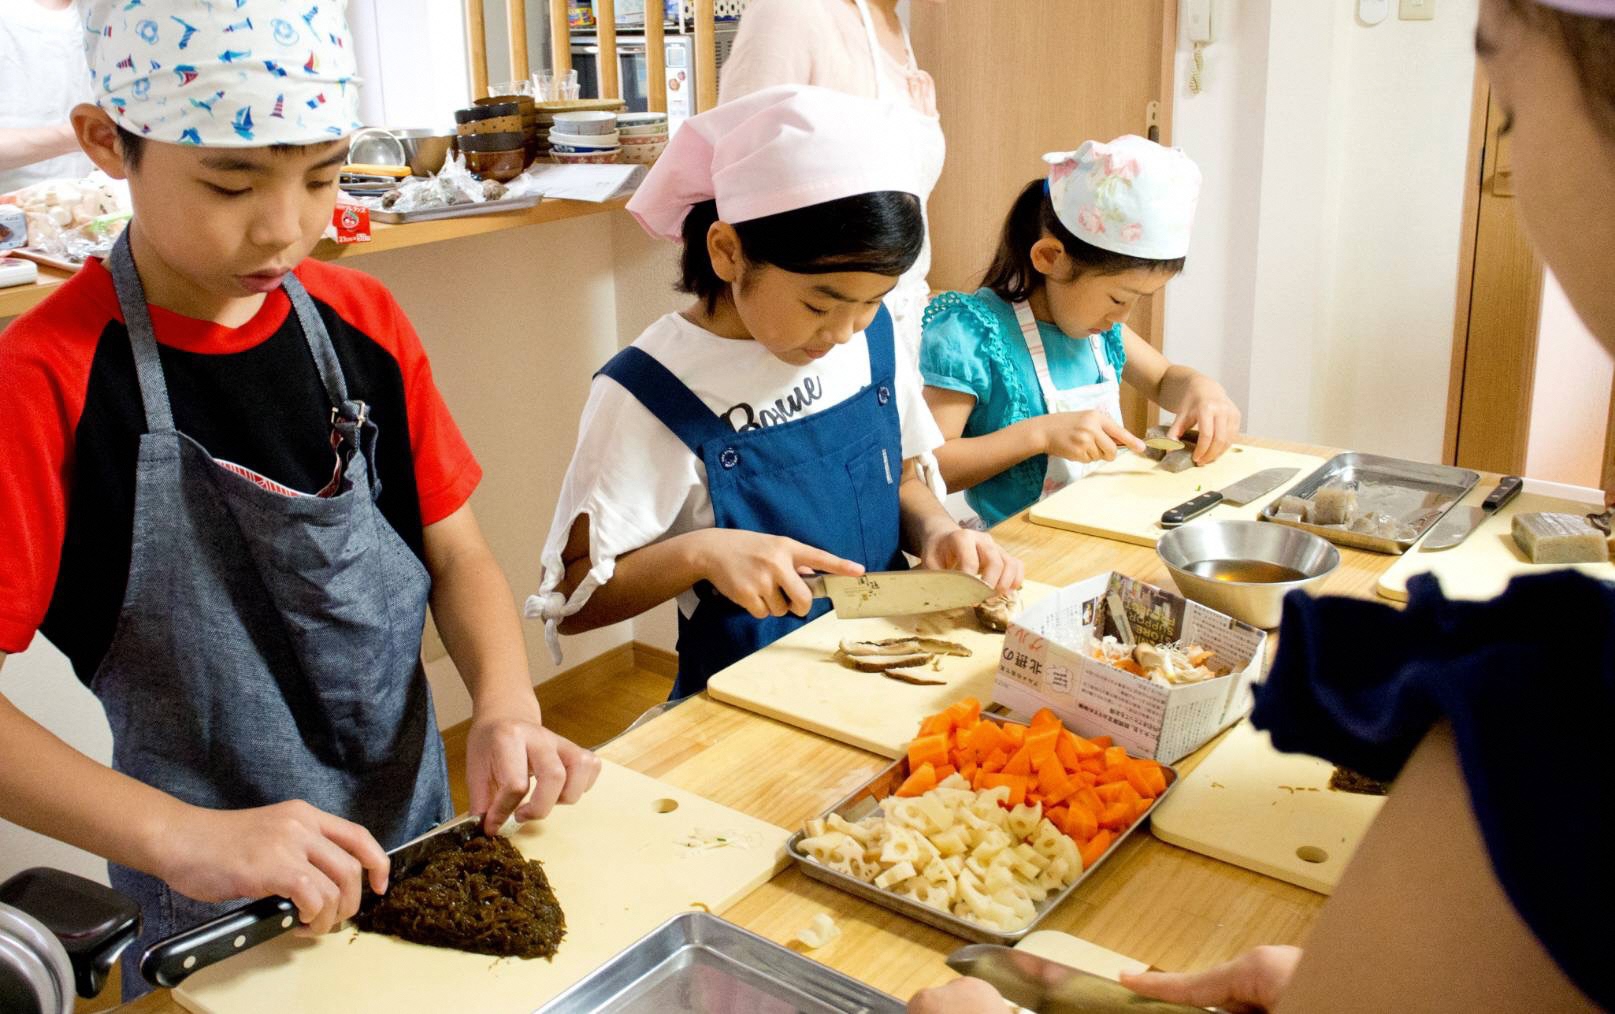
(59, 935)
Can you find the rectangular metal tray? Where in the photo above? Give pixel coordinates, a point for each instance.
(1414, 492)
(700, 964)
(454, 210)
(865, 800)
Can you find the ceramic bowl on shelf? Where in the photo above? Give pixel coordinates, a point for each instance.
(586, 122)
(491, 125)
(644, 139)
(585, 157)
(641, 154)
(642, 123)
(491, 142)
(575, 143)
(483, 112)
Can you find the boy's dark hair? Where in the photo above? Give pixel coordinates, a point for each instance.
(1012, 275)
(134, 147)
(1590, 44)
(880, 233)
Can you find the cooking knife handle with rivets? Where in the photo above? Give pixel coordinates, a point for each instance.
(1190, 509)
(167, 962)
(1507, 489)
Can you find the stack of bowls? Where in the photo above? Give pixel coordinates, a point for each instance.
(643, 136)
(528, 110)
(547, 111)
(490, 136)
(587, 136)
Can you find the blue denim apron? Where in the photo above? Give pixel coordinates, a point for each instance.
(828, 480)
(268, 646)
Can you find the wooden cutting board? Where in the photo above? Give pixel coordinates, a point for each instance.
(1125, 499)
(621, 861)
(796, 681)
(1483, 564)
(1271, 812)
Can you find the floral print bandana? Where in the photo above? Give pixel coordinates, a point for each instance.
(224, 73)
(1130, 196)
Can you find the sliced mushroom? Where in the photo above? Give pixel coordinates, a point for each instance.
(884, 663)
(995, 613)
(908, 677)
(903, 646)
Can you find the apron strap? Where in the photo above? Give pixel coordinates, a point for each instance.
(874, 49)
(880, 337)
(1040, 356)
(319, 345)
(667, 397)
(142, 339)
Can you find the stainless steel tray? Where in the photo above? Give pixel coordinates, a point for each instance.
(866, 800)
(696, 963)
(454, 210)
(1415, 493)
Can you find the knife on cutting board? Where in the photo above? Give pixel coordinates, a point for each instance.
(899, 592)
(1460, 521)
(168, 962)
(1048, 987)
(1239, 494)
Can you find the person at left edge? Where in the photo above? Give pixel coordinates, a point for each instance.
(772, 429)
(230, 488)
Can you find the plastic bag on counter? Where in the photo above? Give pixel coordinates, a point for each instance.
(74, 219)
(453, 185)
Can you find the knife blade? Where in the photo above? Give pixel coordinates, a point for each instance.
(1049, 987)
(1460, 521)
(899, 592)
(169, 962)
(1239, 494)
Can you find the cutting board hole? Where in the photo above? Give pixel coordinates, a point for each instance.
(1312, 854)
(665, 805)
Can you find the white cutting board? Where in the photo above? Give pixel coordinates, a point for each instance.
(1075, 952)
(619, 867)
(1481, 566)
(796, 681)
(1250, 805)
(1125, 499)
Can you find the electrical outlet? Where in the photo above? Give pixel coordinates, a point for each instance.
(1417, 10)
(1372, 12)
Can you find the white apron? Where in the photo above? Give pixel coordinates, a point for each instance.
(907, 301)
(1105, 396)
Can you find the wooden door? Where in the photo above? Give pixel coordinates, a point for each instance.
(1499, 307)
(1017, 79)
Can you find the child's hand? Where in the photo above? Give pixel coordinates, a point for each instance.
(955, 548)
(762, 574)
(507, 750)
(289, 849)
(1207, 408)
(1086, 436)
(961, 996)
(1251, 983)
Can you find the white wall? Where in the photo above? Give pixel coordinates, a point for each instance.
(1573, 371)
(1321, 283)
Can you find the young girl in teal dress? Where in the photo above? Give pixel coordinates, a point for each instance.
(1024, 375)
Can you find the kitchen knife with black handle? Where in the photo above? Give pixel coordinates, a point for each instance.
(1239, 494)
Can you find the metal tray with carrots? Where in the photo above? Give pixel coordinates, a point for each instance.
(1089, 790)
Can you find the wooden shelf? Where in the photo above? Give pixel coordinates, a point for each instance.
(19, 298)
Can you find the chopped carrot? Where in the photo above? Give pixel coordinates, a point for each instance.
(1095, 848)
(1153, 775)
(923, 780)
(1093, 765)
(1016, 734)
(931, 749)
(1045, 717)
(1090, 800)
(978, 781)
(939, 724)
(1117, 816)
(1021, 763)
(1052, 779)
(1018, 788)
(1085, 748)
(995, 761)
(1139, 780)
(968, 772)
(1040, 741)
(1080, 822)
(1087, 778)
(984, 739)
(1116, 791)
(1115, 756)
(1141, 807)
(959, 756)
(965, 713)
(1102, 742)
(1055, 815)
(1116, 774)
(1065, 751)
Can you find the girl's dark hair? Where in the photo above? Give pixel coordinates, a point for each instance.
(1032, 216)
(1590, 44)
(880, 233)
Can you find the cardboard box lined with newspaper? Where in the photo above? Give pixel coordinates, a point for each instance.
(1114, 656)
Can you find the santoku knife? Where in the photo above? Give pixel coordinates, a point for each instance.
(899, 592)
(1239, 494)
(167, 962)
(1038, 984)
(1460, 521)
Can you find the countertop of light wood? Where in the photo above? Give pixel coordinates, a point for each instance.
(19, 298)
(1152, 901)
